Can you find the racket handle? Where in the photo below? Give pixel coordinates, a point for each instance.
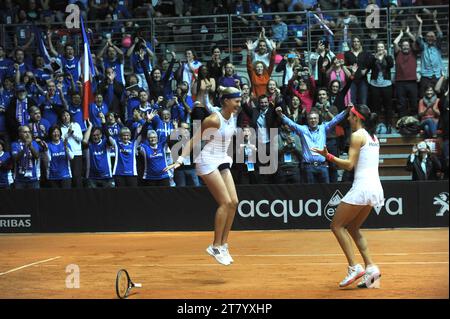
(137, 285)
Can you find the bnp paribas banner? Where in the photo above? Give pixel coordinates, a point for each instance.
(261, 207)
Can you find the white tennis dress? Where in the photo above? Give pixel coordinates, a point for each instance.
(366, 188)
(215, 151)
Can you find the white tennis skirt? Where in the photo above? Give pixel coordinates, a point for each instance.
(365, 193)
(207, 167)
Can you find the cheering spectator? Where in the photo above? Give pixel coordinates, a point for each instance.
(114, 59)
(160, 84)
(25, 153)
(312, 135)
(361, 58)
(230, 78)
(155, 161)
(39, 126)
(405, 73)
(422, 163)
(246, 172)
(6, 179)
(58, 155)
(290, 62)
(18, 67)
(381, 85)
(17, 113)
(141, 53)
(187, 72)
(289, 157)
(98, 162)
(184, 175)
(264, 50)
(303, 85)
(431, 66)
(52, 103)
(97, 109)
(69, 62)
(112, 91)
(216, 64)
(71, 131)
(203, 85)
(259, 74)
(339, 72)
(429, 113)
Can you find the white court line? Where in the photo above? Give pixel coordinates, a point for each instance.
(277, 264)
(29, 265)
(278, 255)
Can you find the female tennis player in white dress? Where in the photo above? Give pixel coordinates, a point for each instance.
(366, 193)
(213, 166)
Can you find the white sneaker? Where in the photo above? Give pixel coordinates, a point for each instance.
(226, 252)
(353, 273)
(371, 279)
(216, 253)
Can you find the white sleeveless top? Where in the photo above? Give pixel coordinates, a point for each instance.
(369, 157)
(215, 151)
(366, 188)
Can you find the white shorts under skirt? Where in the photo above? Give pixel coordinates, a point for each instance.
(207, 168)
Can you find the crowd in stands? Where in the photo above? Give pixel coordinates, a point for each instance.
(146, 101)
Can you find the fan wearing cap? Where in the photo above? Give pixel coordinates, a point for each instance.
(422, 163)
(17, 113)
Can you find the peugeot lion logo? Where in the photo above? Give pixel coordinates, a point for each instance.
(442, 200)
(332, 205)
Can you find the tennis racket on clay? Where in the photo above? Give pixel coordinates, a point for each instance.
(124, 284)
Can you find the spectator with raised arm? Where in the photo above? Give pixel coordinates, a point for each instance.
(155, 161)
(431, 64)
(114, 59)
(303, 85)
(422, 163)
(203, 85)
(187, 72)
(98, 162)
(259, 73)
(290, 61)
(406, 73)
(314, 165)
(264, 48)
(69, 62)
(381, 84)
(140, 52)
(112, 91)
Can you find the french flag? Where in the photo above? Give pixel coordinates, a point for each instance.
(88, 73)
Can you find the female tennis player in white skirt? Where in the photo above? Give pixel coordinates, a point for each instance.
(366, 193)
(213, 166)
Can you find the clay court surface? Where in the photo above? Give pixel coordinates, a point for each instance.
(268, 264)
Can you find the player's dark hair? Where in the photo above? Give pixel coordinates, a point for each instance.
(371, 119)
